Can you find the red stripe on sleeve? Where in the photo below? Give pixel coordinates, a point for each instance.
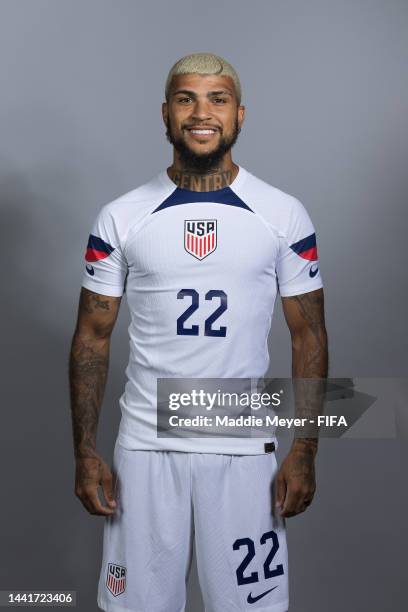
(94, 255)
(310, 254)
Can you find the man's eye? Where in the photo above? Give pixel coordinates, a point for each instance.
(220, 100)
(183, 99)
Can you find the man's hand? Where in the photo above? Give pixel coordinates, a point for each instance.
(295, 483)
(90, 473)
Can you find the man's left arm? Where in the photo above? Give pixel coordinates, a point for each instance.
(304, 314)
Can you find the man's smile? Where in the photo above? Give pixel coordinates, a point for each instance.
(202, 133)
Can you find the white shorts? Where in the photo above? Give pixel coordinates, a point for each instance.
(167, 498)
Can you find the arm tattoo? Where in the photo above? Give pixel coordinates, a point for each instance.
(88, 370)
(311, 358)
(309, 368)
(307, 448)
(88, 367)
(90, 302)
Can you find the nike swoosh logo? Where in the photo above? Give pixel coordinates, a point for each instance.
(90, 270)
(251, 599)
(312, 273)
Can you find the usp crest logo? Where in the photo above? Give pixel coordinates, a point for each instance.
(116, 579)
(200, 237)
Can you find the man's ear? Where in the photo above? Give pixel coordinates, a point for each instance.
(241, 114)
(165, 112)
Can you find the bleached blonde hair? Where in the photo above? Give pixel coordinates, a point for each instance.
(203, 63)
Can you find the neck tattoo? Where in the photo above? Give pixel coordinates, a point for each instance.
(201, 182)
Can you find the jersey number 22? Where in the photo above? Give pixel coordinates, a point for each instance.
(182, 330)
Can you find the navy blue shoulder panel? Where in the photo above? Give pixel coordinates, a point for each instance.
(219, 196)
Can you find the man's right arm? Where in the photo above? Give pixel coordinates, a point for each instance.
(88, 369)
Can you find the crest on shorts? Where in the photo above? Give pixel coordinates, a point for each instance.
(116, 579)
(200, 237)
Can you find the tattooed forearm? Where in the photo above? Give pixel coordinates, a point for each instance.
(305, 317)
(202, 182)
(306, 447)
(309, 341)
(88, 370)
(88, 366)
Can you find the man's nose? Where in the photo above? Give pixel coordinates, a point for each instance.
(201, 109)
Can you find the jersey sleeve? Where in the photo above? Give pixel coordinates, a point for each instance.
(297, 266)
(105, 264)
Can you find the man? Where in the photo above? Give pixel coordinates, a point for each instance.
(201, 251)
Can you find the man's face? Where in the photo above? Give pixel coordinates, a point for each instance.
(203, 119)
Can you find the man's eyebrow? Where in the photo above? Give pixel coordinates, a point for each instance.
(228, 92)
(210, 93)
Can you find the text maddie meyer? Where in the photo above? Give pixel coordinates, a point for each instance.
(252, 421)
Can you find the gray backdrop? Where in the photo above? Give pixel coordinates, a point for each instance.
(326, 93)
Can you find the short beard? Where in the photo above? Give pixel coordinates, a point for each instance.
(204, 162)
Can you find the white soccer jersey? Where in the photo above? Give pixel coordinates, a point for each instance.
(201, 271)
